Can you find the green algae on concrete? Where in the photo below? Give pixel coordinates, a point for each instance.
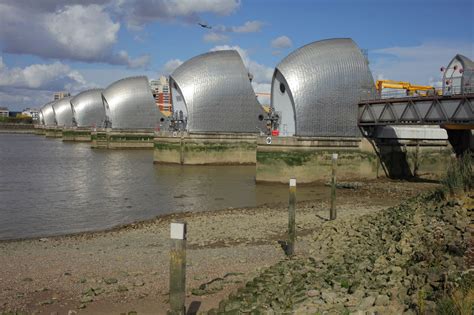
(309, 159)
(205, 149)
(122, 139)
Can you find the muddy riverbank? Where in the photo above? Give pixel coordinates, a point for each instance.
(127, 269)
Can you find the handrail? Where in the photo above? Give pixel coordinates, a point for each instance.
(437, 92)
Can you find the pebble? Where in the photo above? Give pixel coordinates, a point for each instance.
(313, 293)
(382, 300)
(110, 281)
(367, 302)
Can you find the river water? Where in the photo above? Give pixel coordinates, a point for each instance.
(49, 187)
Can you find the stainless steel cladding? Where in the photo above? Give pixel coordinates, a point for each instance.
(317, 87)
(217, 94)
(40, 117)
(63, 112)
(129, 104)
(88, 109)
(458, 77)
(48, 114)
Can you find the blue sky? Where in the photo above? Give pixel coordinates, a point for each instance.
(74, 45)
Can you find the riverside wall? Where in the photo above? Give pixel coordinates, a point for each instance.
(205, 148)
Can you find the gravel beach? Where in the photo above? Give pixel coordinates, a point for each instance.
(126, 269)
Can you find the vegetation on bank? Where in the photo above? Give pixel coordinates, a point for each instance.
(459, 178)
(19, 119)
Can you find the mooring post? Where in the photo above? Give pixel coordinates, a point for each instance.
(181, 149)
(290, 246)
(332, 214)
(417, 159)
(377, 161)
(178, 268)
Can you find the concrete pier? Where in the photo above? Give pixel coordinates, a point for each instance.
(205, 148)
(40, 130)
(77, 134)
(122, 139)
(309, 159)
(53, 132)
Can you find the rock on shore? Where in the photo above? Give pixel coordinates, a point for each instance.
(403, 259)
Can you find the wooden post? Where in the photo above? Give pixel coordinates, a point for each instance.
(332, 214)
(178, 268)
(181, 150)
(290, 246)
(377, 161)
(417, 161)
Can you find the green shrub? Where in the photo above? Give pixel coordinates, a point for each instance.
(459, 174)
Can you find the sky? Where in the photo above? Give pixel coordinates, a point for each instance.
(55, 45)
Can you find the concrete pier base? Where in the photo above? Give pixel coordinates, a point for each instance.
(205, 149)
(77, 134)
(40, 130)
(309, 159)
(53, 132)
(122, 139)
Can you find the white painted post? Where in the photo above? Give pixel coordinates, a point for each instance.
(290, 246)
(332, 213)
(178, 268)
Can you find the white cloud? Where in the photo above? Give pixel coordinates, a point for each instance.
(215, 37)
(171, 65)
(281, 42)
(74, 32)
(30, 85)
(40, 76)
(262, 88)
(248, 27)
(122, 57)
(417, 64)
(18, 99)
(84, 32)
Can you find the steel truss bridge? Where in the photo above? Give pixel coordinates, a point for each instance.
(452, 112)
(449, 111)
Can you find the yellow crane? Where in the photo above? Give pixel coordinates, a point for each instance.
(411, 89)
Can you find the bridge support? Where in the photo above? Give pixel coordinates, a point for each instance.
(461, 140)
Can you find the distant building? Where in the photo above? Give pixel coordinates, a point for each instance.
(31, 112)
(4, 112)
(161, 92)
(60, 95)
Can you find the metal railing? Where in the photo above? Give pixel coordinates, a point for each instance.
(436, 92)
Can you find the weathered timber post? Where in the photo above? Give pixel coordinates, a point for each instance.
(178, 269)
(377, 161)
(181, 149)
(332, 213)
(290, 246)
(416, 163)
